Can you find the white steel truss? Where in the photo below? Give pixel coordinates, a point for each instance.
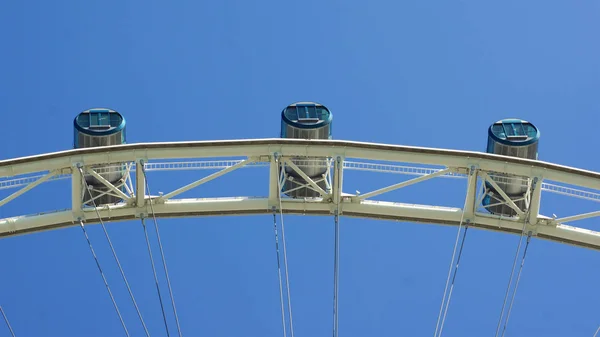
(29, 172)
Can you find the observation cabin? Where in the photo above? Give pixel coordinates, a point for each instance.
(101, 127)
(515, 138)
(306, 120)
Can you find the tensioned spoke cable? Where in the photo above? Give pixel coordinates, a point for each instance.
(7, 322)
(597, 330)
(285, 261)
(112, 248)
(162, 307)
(510, 278)
(104, 278)
(336, 256)
(439, 324)
(336, 276)
(512, 300)
(279, 274)
(162, 253)
(454, 278)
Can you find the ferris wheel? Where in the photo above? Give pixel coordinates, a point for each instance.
(304, 175)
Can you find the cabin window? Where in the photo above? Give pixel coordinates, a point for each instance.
(514, 130)
(322, 113)
(306, 113)
(291, 113)
(498, 130)
(99, 119)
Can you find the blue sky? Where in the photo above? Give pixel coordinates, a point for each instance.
(426, 73)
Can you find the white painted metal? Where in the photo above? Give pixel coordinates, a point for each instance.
(402, 184)
(8, 183)
(140, 184)
(579, 217)
(76, 193)
(263, 151)
(506, 198)
(305, 177)
(273, 182)
(107, 183)
(301, 147)
(27, 188)
(535, 201)
(338, 182)
(471, 194)
(203, 180)
(253, 206)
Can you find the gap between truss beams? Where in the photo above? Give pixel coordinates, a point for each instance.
(205, 179)
(305, 177)
(506, 198)
(402, 184)
(27, 188)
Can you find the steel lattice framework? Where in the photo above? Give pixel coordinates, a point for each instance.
(23, 174)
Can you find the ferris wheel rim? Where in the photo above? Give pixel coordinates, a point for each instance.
(268, 150)
(339, 146)
(59, 220)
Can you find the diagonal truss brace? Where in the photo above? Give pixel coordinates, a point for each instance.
(300, 185)
(305, 177)
(205, 179)
(107, 184)
(403, 184)
(506, 198)
(28, 187)
(578, 217)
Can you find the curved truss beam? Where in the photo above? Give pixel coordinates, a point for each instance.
(244, 206)
(475, 164)
(300, 147)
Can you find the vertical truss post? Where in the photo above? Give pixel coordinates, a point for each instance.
(140, 184)
(274, 181)
(338, 179)
(534, 202)
(469, 210)
(76, 191)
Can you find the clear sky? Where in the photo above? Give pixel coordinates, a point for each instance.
(424, 73)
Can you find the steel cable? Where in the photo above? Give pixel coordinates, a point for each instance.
(287, 278)
(114, 253)
(104, 278)
(336, 254)
(162, 253)
(7, 322)
(442, 315)
(512, 300)
(279, 275)
(162, 307)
